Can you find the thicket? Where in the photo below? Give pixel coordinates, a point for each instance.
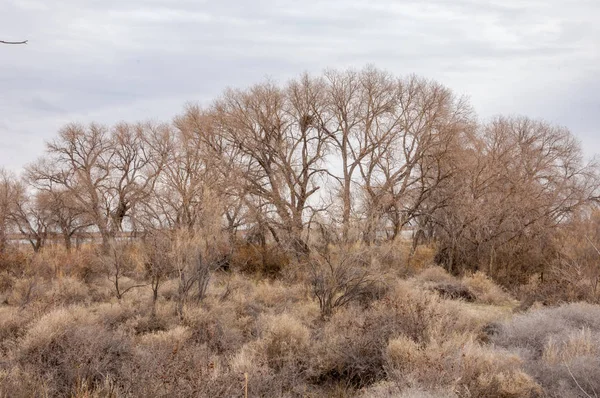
(349, 234)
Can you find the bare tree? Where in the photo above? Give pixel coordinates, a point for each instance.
(186, 183)
(337, 280)
(342, 122)
(135, 166)
(30, 216)
(66, 215)
(422, 122)
(117, 266)
(524, 182)
(219, 165)
(106, 173)
(80, 162)
(195, 258)
(282, 149)
(159, 261)
(7, 198)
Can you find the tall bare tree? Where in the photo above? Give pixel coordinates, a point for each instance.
(80, 162)
(411, 136)
(525, 181)
(282, 150)
(30, 216)
(138, 156)
(7, 198)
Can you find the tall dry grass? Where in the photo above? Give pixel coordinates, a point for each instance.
(66, 334)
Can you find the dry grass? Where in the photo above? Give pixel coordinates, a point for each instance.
(486, 291)
(68, 335)
(560, 347)
(461, 364)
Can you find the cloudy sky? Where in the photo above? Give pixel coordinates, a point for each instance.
(113, 60)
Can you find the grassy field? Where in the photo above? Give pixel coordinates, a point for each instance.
(417, 332)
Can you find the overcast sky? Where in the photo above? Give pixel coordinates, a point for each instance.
(113, 60)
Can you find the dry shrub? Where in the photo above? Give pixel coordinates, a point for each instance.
(474, 288)
(423, 316)
(401, 258)
(341, 279)
(171, 338)
(51, 325)
(18, 383)
(403, 353)
(267, 261)
(560, 347)
(26, 290)
(460, 364)
(279, 296)
(13, 323)
(224, 329)
(389, 257)
(122, 266)
(55, 261)
(455, 292)
(574, 275)
(251, 362)
(169, 364)
(351, 346)
(447, 286)
(568, 281)
(67, 291)
(101, 290)
(63, 348)
(149, 324)
(34, 290)
(436, 274)
(388, 389)
(422, 256)
(485, 290)
(7, 282)
(86, 264)
(285, 341)
(276, 363)
(486, 372)
(14, 260)
(114, 315)
(168, 289)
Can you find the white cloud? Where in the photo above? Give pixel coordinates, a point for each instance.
(112, 60)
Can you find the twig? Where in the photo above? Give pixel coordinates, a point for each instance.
(576, 382)
(13, 42)
(593, 245)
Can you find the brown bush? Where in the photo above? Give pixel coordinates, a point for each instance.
(455, 292)
(344, 278)
(285, 343)
(485, 290)
(477, 287)
(14, 261)
(460, 364)
(436, 274)
(63, 349)
(76, 339)
(351, 347)
(13, 325)
(560, 347)
(266, 261)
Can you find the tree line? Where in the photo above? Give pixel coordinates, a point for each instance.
(344, 157)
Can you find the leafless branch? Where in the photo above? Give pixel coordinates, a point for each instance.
(13, 42)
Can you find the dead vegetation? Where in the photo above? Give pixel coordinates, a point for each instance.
(226, 252)
(77, 338)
